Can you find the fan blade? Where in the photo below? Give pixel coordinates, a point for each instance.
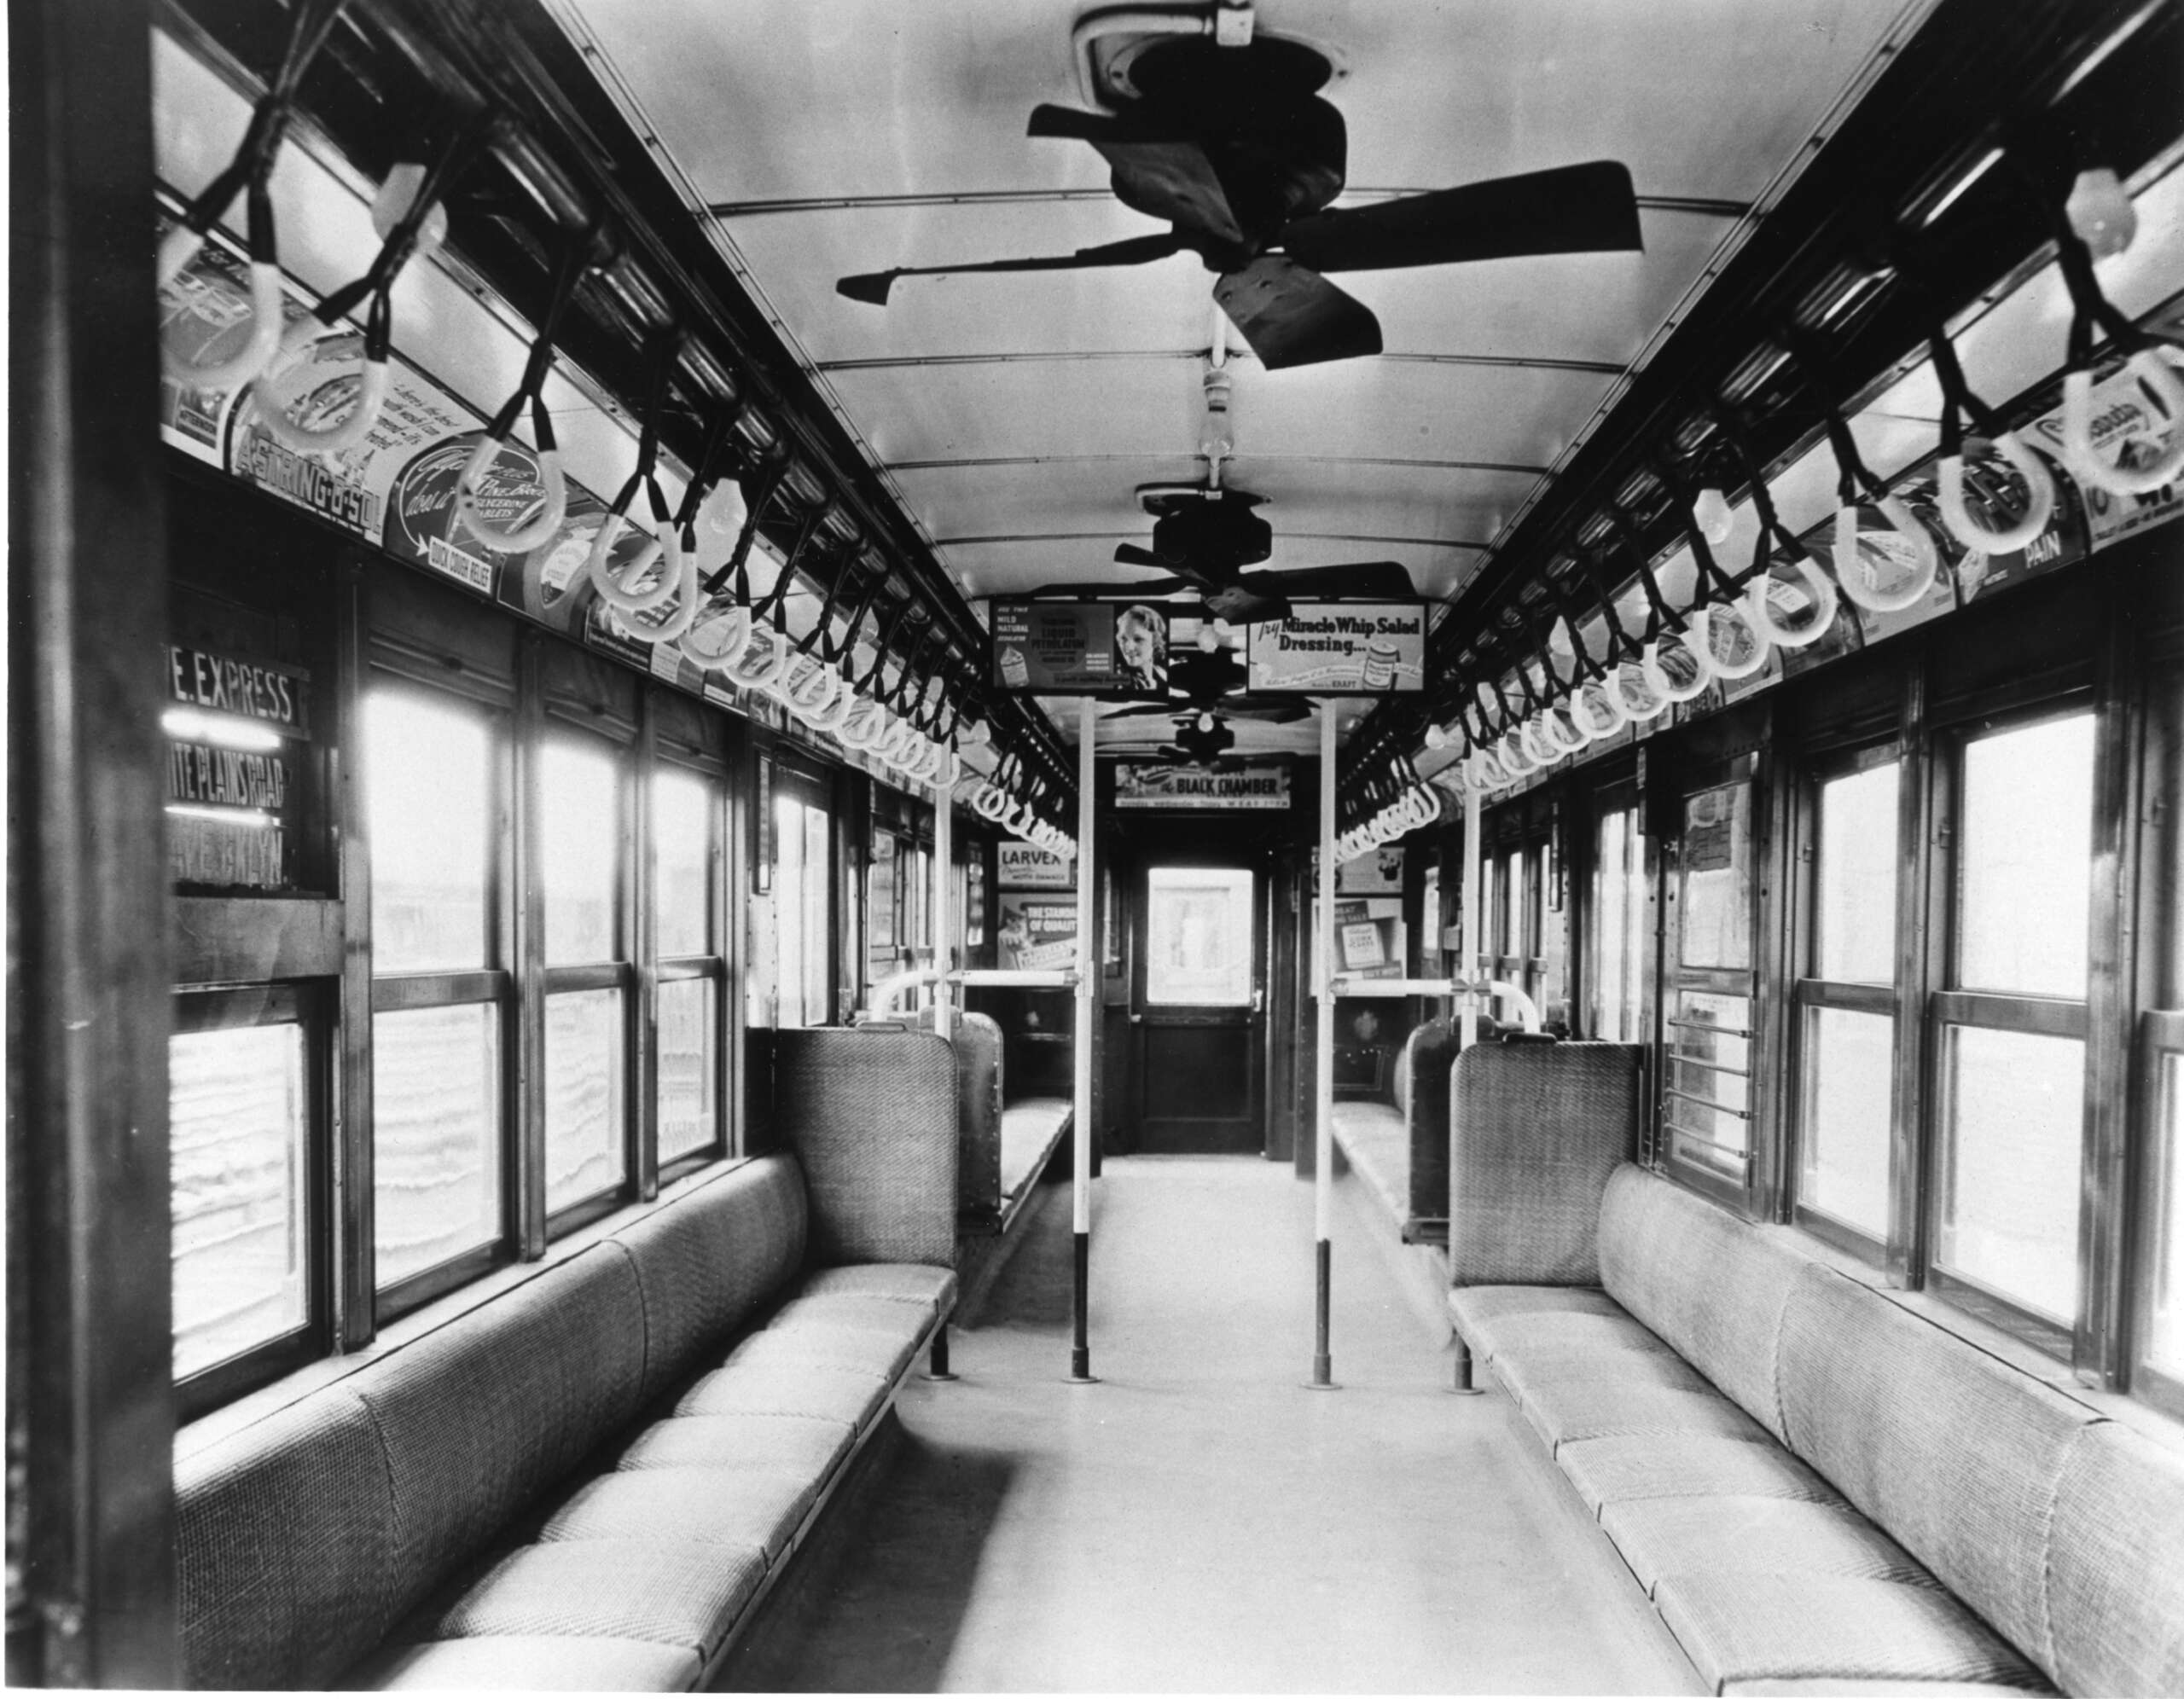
(1142, 586)
(1384, 579)
(1129, 555)
(1167, 708)
(871, 287)
(1159, 172)
(1293, 316)
(1573, 209)
(1241, 606)
(1278, 713)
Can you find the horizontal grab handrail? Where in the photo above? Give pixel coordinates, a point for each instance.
(889, 991)
(1527, 1011)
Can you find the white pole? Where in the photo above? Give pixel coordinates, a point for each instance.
(1088, 993)
(944, 882)
(1323, 1095)
(1473, 965)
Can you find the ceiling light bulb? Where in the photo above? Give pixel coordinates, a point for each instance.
(2101, 213)
(392, 204)
(1205, 722)
(1436, 738)
(1208, 639)
(1711, 511)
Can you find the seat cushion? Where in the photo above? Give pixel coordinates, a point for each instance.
(1957, 1454)
(1560, 1333)
(1745, 1627)
(1475, 1306)
(1532, 1375)
(1714, 1287)
(908, 1281)
(1565, 1410)
(711, 1259)
(751, 1508)
(2116, 1565)
(1630, 1466)
(782, 1388)
(1745, 1533)
(872, 1351)
(681, 1593)
(285, 1538)
(806, 1446)
(538, 1663)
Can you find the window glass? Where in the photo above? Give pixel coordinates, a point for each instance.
(1716, 875)
(238, 1120)
(818, 970)
(683, 809)
(1514, 941)
(1198, 935)
(1855, 882)
(430, 808)
(687, 1120)
(1843, 1159)
(2026, 858)
(802, 869)
(1609, 891)
(584, 1096)
(2011, 1149)
(436, 1136)
(1710, 1067)
(580, 825)
(2166, 1322)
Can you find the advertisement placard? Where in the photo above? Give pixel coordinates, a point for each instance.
(1158, 784)
(1081, 648)
(1024, 867)
(1341, 649)
(1036, 932)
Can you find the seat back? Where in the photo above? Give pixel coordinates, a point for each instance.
(978, 1098)
(1423, 1096)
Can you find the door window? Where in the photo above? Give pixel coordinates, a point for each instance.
(1198, 923)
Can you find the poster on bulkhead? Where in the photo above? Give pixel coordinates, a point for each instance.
(1341, 649)
(1026, 866)
(1036, 931)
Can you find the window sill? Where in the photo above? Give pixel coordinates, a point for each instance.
(216, 1425)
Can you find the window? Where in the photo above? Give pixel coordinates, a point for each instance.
(791, 971)
(1845, 1006)
(1618, 925)
(245, 1132)
(1197, 937)
(2011, 1027)
(2158, 1366)
(1707, 1108)
(686, 812)
(579, 836)
(439, 995)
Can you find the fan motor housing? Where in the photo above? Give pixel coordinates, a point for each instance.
(1213, 537)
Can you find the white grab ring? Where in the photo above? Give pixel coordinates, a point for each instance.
(176, 249)
(1719, 615)
(719, 637)
(1759, 607)
(602, 576)
(947, 770)
(1615, 716)
(2040, 499)
(517, 539)
(812, 692)
(324, 439)
(1017, 817)
(1650, 704)
(1538, 747)
(860, 724)
(1694, 644)
(1514, 760)
(1487, 770)
(756, 677)
(1550, 726)
(989, 802)
(830, 717)
(1856, 578)
(672, 629)
(2160, 383)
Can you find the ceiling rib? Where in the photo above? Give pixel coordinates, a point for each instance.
(1033, 356)
(1121, 588)
(1696, 205)
(1495, 466)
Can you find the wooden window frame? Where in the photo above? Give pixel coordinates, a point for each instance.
(711, 965)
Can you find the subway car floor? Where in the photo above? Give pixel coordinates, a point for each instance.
(1199, 1522)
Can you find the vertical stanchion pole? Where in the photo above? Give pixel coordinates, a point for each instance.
(944, 882)
(944, 1014)
(1323, 1095)
(1087, 993)
(1472, 969)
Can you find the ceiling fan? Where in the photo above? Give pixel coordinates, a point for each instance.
(1199, 744)
(1234, 147)
(1205, 538)
(1213, 683)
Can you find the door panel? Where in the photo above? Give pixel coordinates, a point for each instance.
(1199, 1018)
